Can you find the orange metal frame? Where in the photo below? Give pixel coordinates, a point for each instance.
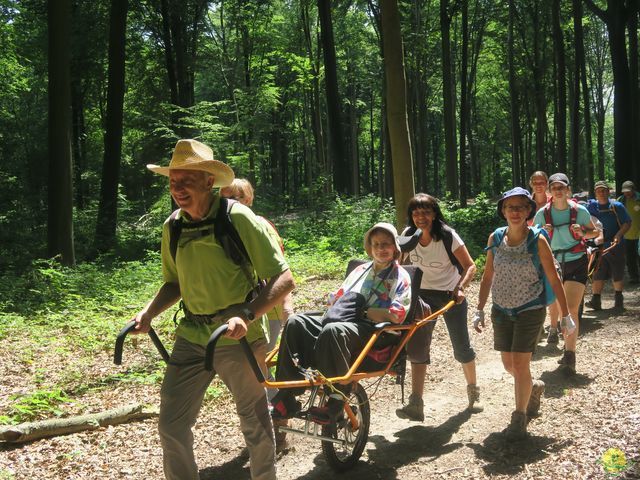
(353, 375)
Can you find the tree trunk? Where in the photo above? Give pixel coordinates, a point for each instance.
(464, 102)
(634, 57)
(615, 17)
(575, 110)
(448, 92)
(316, 120)
(353, 134)
(396, 95)
(60, 189)
(561, 90)
(582, 70)
(539, 89)
(78, 143)
(108, 208)
(513, 97)
(341, 172)
(27, 432)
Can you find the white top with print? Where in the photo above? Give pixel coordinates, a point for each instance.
(438, 273)
(516, 281)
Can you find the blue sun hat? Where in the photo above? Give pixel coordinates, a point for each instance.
(517, 192)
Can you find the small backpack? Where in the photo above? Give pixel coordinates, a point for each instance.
(547, 297)
(573, 216)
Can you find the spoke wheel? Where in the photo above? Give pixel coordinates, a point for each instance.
(344, 457)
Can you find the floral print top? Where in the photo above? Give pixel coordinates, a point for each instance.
(389, 288)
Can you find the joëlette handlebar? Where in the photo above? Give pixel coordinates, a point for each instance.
(211, 346)
(117, 354)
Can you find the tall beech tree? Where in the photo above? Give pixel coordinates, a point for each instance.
(560, 97)
(108, 208)
(340, 168)
(615, 17)
(60, 223)
(403, 181)
(449, 102)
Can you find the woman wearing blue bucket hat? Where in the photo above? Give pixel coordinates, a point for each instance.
(522, 278)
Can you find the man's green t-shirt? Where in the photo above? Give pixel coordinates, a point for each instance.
(210, 281)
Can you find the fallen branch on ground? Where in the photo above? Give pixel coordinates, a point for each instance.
(26, 432)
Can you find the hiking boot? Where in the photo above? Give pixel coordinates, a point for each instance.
(552, 337)
(568, 362)
(517, 429)
(595, 302)
(473, 394)
(619, 302)
(284, 406)
(533, 408)
(414, 410)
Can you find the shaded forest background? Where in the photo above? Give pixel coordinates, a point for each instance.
(294, 95)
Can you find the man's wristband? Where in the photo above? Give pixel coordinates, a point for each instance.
(248, 314)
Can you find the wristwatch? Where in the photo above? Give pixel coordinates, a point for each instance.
(248, 314)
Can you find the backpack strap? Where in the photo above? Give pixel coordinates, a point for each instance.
(615, 212)
(223, 230)
(447, 240)
(175, 229)
(497, 237)
(548, 219)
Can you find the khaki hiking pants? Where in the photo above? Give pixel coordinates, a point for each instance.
(181, 396)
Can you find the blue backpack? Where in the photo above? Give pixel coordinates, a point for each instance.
(547, 297)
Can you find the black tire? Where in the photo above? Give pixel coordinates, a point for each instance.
(342, 458)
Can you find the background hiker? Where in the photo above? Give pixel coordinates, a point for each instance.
(447, 269)
(518, 271)
(569, 225)
(242, 191)
(377, 291)
(630, 198)
(214, 290)
(539, 182)
(616, 223)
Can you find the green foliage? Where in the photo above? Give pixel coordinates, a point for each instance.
(474, 223)
(340, 228)
(6, 474)
(34, 406)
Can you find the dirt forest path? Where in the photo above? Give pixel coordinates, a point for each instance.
(582, 417)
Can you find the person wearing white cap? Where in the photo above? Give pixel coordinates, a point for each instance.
(214, 290)
(374, 292)
(630, 198)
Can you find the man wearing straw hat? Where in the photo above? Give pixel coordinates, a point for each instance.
(214, 290)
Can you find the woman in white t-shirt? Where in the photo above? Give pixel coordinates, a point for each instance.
(447, 268)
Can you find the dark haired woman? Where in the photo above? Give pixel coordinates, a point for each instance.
(447, 268)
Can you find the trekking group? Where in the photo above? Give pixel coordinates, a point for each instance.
(224, 264)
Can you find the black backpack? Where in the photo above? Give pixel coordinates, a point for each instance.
(223, 230)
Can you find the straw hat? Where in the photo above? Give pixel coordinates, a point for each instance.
(193, 155)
